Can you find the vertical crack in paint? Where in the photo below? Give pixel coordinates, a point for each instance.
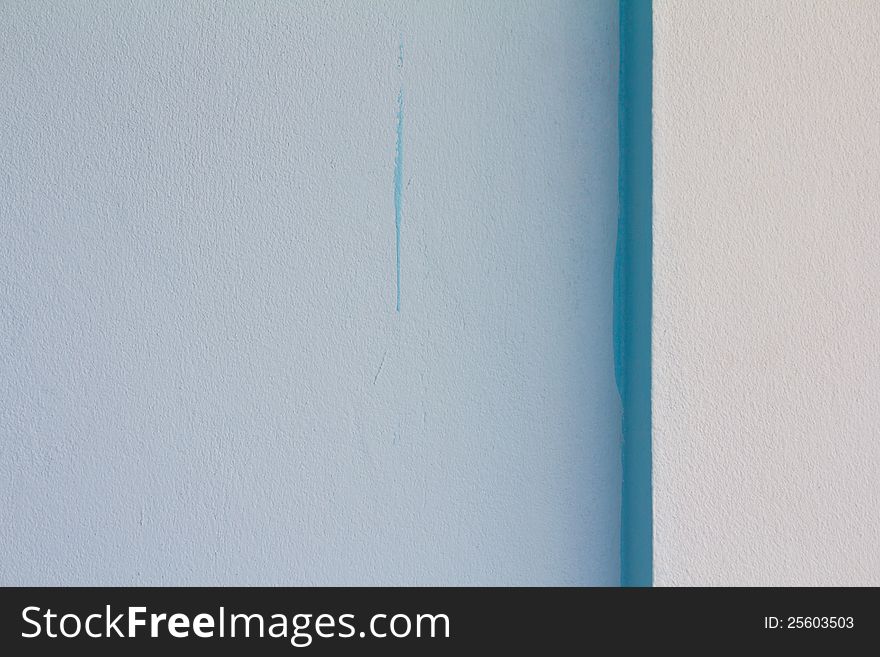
(398, 175)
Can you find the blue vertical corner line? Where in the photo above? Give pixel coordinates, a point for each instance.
(632, 291)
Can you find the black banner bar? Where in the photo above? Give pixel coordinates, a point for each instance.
(429, 620)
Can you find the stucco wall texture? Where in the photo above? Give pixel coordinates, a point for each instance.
(203, 375)
(766, 335)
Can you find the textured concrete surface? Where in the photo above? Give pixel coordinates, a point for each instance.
(766, 336)
(203, 377)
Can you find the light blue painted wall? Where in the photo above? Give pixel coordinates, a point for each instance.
(203, 376)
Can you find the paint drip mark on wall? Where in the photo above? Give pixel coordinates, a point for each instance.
(398, 175)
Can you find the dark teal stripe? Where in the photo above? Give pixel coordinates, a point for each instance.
(632, 293)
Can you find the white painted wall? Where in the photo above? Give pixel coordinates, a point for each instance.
(203, 376)
(766, 339)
